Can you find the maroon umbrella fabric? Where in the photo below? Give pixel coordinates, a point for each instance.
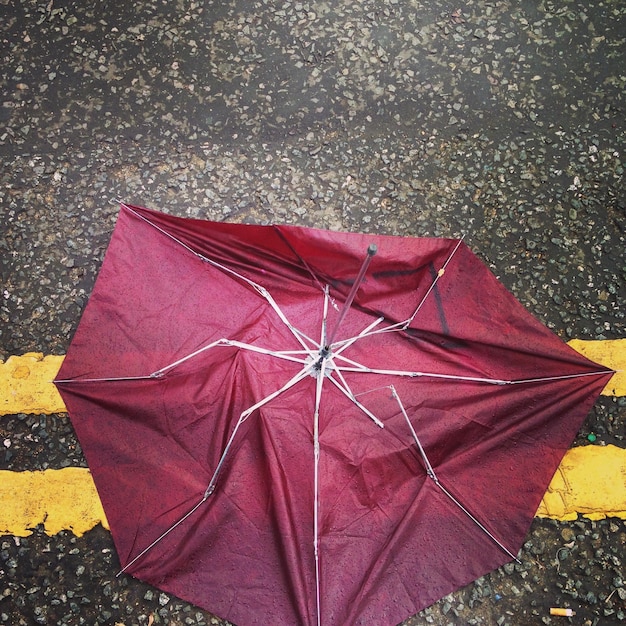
(252, 466)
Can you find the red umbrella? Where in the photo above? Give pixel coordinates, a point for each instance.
(280, 442)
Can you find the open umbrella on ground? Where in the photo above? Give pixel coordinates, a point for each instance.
(295, 426)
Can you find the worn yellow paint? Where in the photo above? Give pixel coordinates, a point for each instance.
(610, 353)
(26, 384)
(64, 499)
(590, 481)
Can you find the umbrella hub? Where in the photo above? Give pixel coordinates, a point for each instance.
(323, 360)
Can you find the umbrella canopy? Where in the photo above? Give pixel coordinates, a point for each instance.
(278, 442)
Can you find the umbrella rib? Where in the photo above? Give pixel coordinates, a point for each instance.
(522, 381)
(287, 355)
(431, 474)
(191, 355)
(280, 233)
(429, 468)
(475, 520)
(316, 463)
(394, 328)
(161, 230)
(161, 537)
(319, 365)
(111, 379)
(346, 343)
(411, 374)
(345, 389)
(364, 369)
(439, 274)
(298, 334)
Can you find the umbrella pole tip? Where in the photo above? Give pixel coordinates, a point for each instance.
(372, 249)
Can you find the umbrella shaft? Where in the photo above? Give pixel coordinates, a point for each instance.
(371, 251)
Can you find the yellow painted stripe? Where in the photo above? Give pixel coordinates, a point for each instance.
(26, 384)
(64, 499)
(590, 481)
(611, 354)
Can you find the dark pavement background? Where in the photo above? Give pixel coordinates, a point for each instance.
(503, 121)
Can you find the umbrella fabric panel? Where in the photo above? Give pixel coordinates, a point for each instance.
(258, 539)
(166, 434)
(431, 552)
(309, 257)
(248, 553)
(374, 499)
(151, 305)
(473, 306)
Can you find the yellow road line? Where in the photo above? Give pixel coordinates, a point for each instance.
(611, 354)
(590, 481)
(64, 499)
(26, 384)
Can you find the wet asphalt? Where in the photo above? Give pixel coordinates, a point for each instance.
(500, 121)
